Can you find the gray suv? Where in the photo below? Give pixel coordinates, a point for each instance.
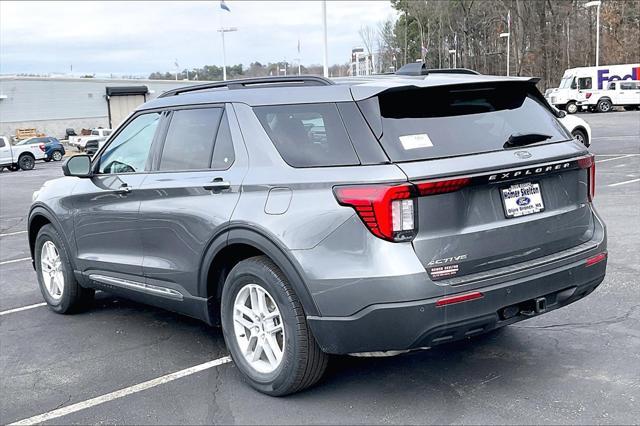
(310, 217)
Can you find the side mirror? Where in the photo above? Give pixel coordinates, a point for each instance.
(78, 165)
(561, 114)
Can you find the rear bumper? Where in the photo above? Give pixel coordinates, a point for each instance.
(416, 324)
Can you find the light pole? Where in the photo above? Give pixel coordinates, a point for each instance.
(224, 53)
(324, 29)
(455, 62)
(597, 4)
(508, 36)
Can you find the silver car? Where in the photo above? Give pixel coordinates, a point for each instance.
(310, 218)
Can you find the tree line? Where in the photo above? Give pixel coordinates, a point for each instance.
(546, 37)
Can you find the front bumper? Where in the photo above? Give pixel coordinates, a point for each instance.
(417, 324)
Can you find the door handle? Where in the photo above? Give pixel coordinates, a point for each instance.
(217, 185)
(124, 189)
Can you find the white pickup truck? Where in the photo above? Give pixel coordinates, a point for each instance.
(80, 142)
(19, 157)
(624, 93)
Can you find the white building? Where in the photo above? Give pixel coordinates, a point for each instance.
(51, 105)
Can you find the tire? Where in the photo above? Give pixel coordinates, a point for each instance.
(604, 105)
(14, 167)
(302, 362)
(26, 162)
(571, 108)
(47, 159)
(581, 137)
(56, 155)
(67, 296)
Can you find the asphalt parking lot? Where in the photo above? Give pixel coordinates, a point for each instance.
(579, 364)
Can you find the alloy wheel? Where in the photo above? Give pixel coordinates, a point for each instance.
(258, 328)
(57, 156)
(51, 267)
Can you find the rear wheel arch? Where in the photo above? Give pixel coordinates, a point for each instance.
(238, 244)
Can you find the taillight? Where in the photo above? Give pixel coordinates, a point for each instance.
(389, 211)
(41, 146)
(588, 95)
(589, 162)
(596, 259)
(441, 186)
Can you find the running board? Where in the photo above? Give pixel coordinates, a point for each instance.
(153, 290)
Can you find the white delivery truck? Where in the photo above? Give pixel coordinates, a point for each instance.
(577, 82)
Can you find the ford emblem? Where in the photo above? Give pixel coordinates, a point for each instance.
(522, 154)
(523, 201)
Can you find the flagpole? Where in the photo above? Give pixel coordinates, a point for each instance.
(324, 26)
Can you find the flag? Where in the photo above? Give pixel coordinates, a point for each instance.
(224, 6)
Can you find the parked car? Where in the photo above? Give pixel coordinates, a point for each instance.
(310, 218)
(18, 156)
(79, 142)
(92, 146)
(53, 149)
(579, 129)
(625, 93)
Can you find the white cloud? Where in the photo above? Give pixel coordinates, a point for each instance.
(140, 37)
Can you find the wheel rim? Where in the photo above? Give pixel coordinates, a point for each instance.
(578, 136)
(51, 267)
(605, 106)
(258, 328)
(57, 156)
(572, 108)
(27, 163)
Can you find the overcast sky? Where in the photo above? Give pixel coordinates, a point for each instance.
(141, 37)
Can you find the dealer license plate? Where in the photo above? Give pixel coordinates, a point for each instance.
(522, 199)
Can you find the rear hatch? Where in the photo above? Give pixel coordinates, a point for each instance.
(500, 181)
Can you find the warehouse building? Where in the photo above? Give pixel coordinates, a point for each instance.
(51, 105)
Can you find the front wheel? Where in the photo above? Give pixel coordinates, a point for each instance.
(266, 331)
(57, 283)
(571, 108)
(26, 162)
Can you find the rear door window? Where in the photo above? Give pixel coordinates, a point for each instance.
(448, 121)
(308, 135)
(190, 138)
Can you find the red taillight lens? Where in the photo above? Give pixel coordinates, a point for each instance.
(387, 210)
(441, 186)
(41, 146)
(588, 95)
(589, 162)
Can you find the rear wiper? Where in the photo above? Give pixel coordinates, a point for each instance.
(521, 139)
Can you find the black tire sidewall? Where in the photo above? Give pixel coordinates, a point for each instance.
(26, 162)
(48, 233)
(252, 272)
(583, 135)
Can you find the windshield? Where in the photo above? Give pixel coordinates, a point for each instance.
(565, 83)
(419, 124)
(27, 141)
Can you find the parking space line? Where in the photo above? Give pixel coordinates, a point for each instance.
(6, 262)
(616, 158)
(73, 408)
(625, 182)
(13, 233)
(23, 308)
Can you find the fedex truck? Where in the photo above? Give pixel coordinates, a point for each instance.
(576, 82)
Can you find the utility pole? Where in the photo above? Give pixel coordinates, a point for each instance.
(324, 29)
(508, 36)
(224, 52)
(597, 4)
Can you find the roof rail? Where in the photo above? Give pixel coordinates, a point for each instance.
(452, 71)
(243, 83)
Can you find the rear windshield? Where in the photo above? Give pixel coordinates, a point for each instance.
(308, 135)
(419, 124)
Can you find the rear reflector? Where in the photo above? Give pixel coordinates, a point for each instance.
(458, 298)
(589, 162)
(596, 259)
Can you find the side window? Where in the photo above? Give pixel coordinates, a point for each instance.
(308, 135)
(584, 83)
(129, 151)
(612, 86)
(628, 86)
(223, 154)
(189, 141)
